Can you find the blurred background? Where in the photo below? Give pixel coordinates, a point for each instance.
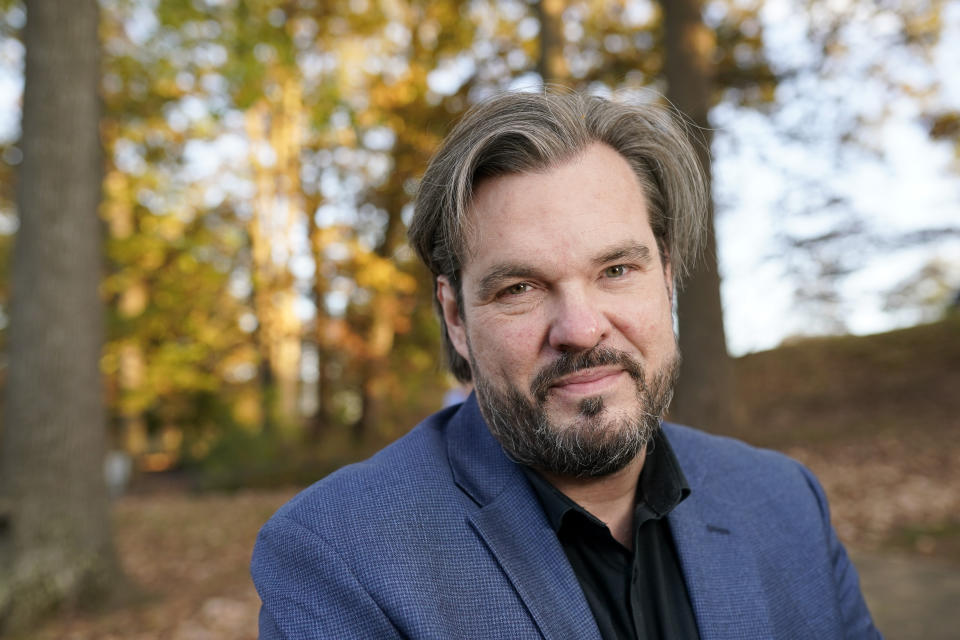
(265, 321)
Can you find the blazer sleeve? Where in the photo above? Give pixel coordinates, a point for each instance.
(857, 622)
(308, 592)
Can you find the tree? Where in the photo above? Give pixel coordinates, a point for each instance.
(397, 124)
(705, 389)
(275, 123)
(56, 543)
(551, 66)
(179, 360)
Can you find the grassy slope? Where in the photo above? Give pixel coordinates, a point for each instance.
(903, 383)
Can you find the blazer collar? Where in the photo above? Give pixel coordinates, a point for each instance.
(480, 466)
(511, 521)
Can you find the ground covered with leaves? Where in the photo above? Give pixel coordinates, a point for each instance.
(185, 557)
(876, 418)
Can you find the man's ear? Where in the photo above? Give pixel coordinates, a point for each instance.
(665, 264)
(668, 278)
(456, 330)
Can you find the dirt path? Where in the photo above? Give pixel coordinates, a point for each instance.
(911, 598)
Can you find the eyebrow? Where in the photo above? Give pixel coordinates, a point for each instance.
(630, 251)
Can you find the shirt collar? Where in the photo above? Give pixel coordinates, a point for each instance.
(662, 483)
(662, 486)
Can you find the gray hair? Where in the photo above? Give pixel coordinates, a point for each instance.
(514, 133)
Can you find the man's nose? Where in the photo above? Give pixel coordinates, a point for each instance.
(578, 323)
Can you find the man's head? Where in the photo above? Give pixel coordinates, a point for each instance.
(556, 226)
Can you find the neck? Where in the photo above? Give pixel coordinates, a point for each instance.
(610, 498)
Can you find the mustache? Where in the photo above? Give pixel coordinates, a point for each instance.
(570, 362)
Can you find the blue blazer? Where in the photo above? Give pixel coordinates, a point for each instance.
(440, 536)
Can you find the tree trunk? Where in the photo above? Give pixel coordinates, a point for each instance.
(552, 65)
(55, 544)
(319, 423)
(376, 367)
(375, 371)
(704, 394)
(276, 123)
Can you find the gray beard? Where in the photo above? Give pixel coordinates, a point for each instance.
(593, 444)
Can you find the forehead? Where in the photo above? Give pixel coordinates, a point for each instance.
(568, 211)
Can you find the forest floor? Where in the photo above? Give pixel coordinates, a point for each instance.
(877, 418)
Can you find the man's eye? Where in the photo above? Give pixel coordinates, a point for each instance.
(615, 271)
(517, 289)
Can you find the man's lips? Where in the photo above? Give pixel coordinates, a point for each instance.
(588, 381)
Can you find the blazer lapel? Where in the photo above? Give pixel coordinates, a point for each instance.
(514, 528)
(529, 553)
(717, 560)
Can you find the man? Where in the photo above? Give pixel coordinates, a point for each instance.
(552, 503)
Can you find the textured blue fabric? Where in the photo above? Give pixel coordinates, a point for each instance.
(440, 536)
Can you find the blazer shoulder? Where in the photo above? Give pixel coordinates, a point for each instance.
(730, 466)
(721, 449)
(411, 469)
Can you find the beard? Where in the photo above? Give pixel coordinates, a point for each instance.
(596, 442)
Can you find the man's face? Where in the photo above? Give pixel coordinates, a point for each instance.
(566, 318)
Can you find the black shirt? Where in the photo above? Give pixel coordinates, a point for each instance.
(639, 594)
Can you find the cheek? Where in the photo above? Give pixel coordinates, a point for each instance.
(505, 345)
(649, 328)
